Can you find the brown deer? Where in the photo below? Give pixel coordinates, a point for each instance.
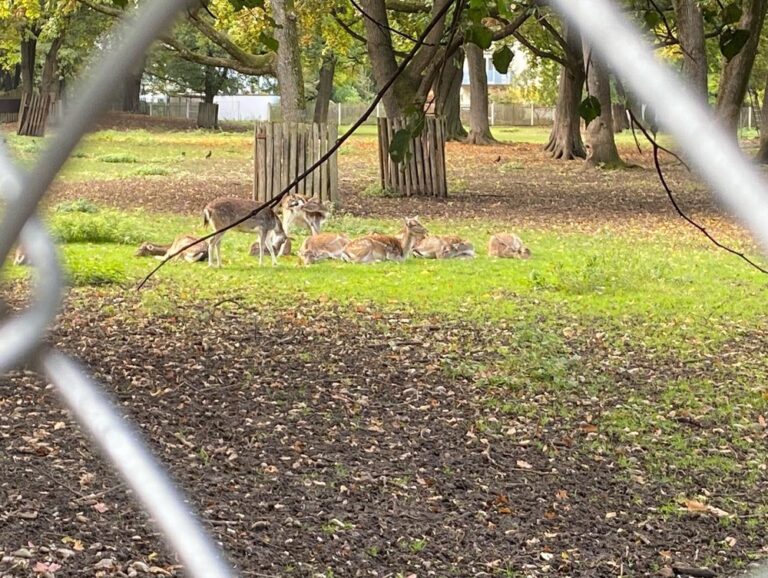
(20, 257)
(378, 247)
(197, 252)
(323, 246)
(301, 210)
(443, 247)
(507, 246)
(224, 211)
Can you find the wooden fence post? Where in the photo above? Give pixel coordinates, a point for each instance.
(283, 151)
(423, 172)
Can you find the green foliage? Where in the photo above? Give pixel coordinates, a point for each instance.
(151, 170)
(398, 148)
(589, 109)
(732, 40)
(502, 58)
(76, 206)
(731, 13)
(104, 226)
(118, 158)
(479, 35)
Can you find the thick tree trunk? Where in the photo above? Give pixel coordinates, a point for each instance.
(131, 93)
(762, 154)
(49, 79)
(381, 53)
(601, 146)
(690, 29)
(735, 75)
(10, 79)
(324, 89)
(28, 53)
(290, 78)
(479, 129)
(565, 139)
(448, 97)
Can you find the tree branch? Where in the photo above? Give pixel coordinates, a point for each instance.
(359, 37)
(226, 43)
(538, 51)
(251, 64)
(407, 7)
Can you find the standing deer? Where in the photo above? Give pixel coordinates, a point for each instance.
(224, 211)
(443, 247)
(197, 252)
(508, 246)
(378, 247)
(298, 209)
(323, 246)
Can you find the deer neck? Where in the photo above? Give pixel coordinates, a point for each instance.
(407, 243)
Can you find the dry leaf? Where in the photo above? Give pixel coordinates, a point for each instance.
(524, 465)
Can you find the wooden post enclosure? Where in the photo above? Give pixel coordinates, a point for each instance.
(283, 151)
(33, 114)
(423, 173)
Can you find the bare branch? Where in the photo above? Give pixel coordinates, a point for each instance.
(657, 164)
(538, 51)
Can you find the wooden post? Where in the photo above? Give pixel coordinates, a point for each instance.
(207, 115)
(333, 167)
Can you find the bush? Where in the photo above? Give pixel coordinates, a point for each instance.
(105, 226)
(118, 158)
(151, 171)
(92, 272)
(76, 206)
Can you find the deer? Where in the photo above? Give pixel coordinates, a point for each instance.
(197, 252)
(224, 211)
(323, 246)
(507, 246)
(20, 257)
(443, 247)
(379, 247)
(302, 210)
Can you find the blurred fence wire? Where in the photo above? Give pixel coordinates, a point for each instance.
(715, 155)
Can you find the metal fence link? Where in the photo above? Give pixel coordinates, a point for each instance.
(21, 335)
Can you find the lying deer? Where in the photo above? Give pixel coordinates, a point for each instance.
(301, 210)
(443, 247)
(323, 246)
(224, 211)
(507, 245)
(378, 247)
(197, 252)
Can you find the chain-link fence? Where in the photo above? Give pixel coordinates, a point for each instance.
(714, 153)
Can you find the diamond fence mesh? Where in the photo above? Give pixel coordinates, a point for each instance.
(715, 155)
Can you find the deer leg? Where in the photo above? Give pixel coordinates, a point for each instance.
(271, 250)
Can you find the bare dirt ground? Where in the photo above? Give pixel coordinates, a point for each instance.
(318, 448)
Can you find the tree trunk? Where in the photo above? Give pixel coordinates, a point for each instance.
(324, 89)
(448, 97)
(620, 121)
(381, 53)
(132, 89)
(10, 79)
(735, 75)
(290, 78)
(28, 53)
(762, 154)
(690, 30)
(49, 80)
(479, 129)
(565, 139)
(601, 146)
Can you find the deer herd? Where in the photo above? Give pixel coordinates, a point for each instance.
(297, 210)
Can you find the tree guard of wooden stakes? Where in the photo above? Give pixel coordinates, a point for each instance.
(284, 150)
(423, 171)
